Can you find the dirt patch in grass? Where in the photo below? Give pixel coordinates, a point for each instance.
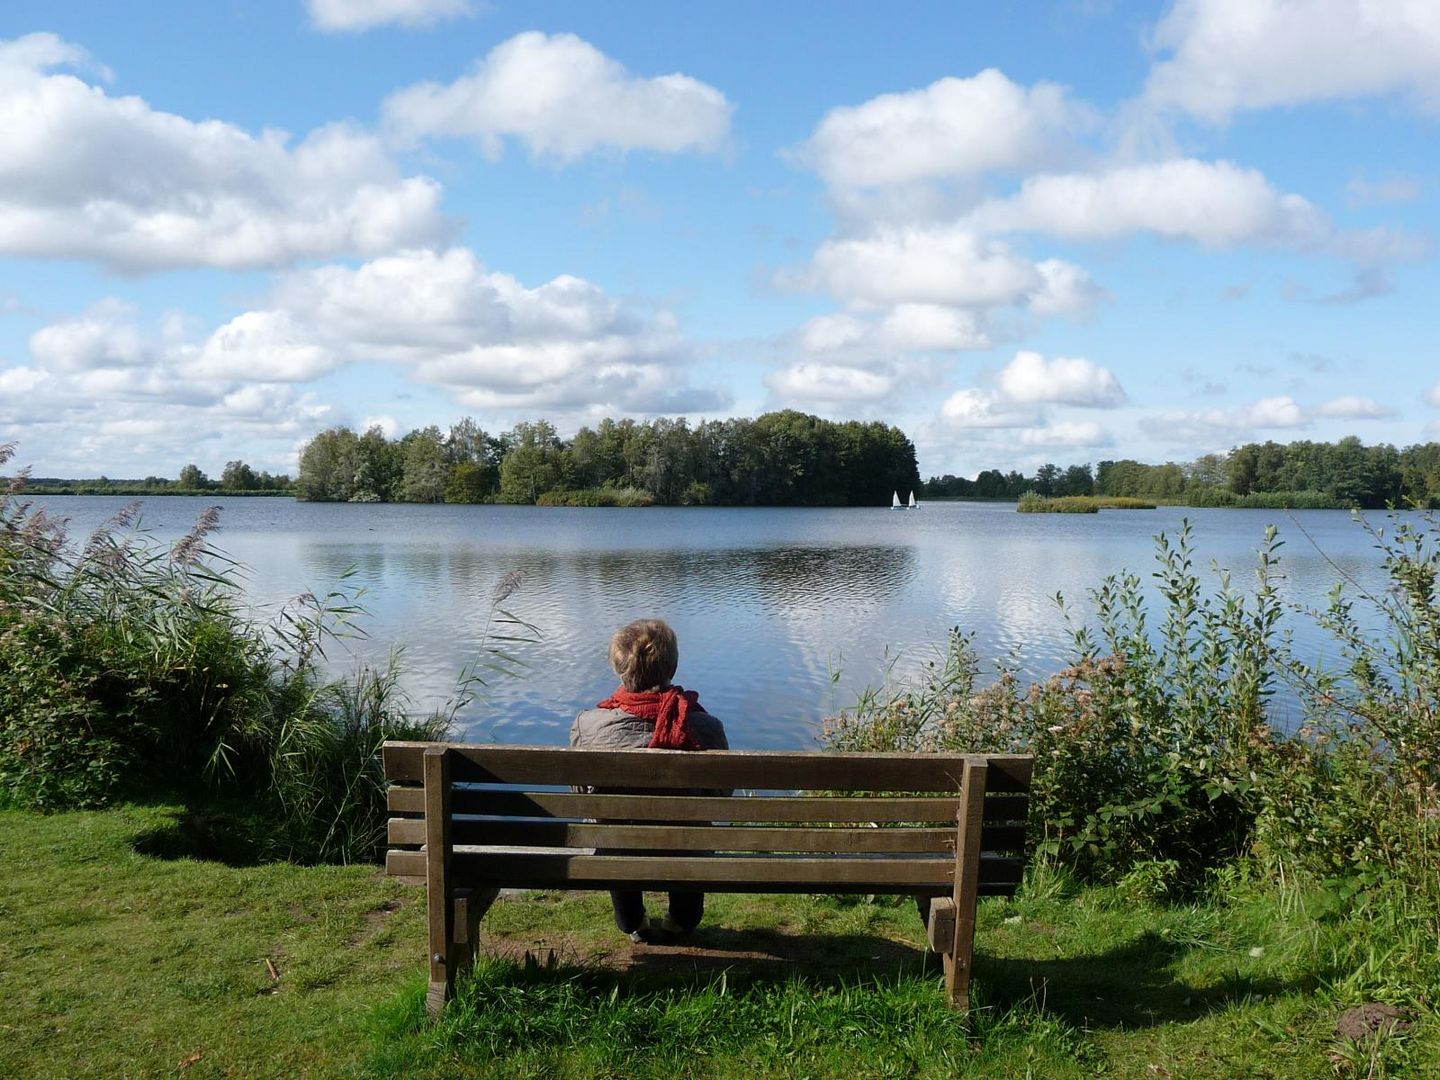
(712, 949)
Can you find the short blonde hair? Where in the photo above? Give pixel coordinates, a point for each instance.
(644, 655)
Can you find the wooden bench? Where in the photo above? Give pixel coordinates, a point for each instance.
(468, 821)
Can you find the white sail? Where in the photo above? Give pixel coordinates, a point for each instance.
(913, 504)
(894, 500)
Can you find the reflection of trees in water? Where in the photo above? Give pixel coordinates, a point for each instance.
(789, 574)
(798, 574)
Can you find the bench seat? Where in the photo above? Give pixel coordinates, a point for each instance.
(948, 826)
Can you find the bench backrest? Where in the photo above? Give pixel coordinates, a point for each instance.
(506, 818)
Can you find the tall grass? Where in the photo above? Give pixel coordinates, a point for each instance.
(132, 669)
(1155, 760)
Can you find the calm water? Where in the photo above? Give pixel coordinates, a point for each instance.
(783, 614)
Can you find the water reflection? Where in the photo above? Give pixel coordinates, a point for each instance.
(783, 615)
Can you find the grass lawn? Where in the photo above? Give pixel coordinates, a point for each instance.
(116, 963)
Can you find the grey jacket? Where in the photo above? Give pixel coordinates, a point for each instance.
(615, 729)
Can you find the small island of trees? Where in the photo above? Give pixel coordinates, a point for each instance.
(784, 458)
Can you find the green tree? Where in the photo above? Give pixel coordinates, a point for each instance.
(424, 469)
(239, 477)
(328, 464)
(192, 479)
(535, 462)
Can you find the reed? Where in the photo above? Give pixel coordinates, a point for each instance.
(134, 670)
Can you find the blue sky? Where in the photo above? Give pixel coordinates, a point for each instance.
(1024, 232)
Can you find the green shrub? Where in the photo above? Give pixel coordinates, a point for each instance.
(132, 669)
(1145, 750)
(596, 497)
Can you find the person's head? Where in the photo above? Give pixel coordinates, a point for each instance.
(644, 655)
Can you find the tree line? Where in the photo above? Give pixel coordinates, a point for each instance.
(237, 478)
(1340, 474)
(783, 458)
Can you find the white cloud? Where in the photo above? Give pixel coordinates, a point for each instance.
(388, 425)
(1272, 412)
(491, 341)
(90, 176)
(944, 264)
(951, 128)
(1030, 379)
(1065, 289)
(1432, 396)
(103, 337)
(1227, 55)
(15, 381)
(1354, 407)
(1216, 204)
(563, 98)
(356, 15)
(932, 327)
(904, 328)
(263, 346)
(1067, 434)
(972, 408)
(1397, 188)
(813, 382)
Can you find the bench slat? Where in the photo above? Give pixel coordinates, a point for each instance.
(520, 833)
(762, 769)
(758, 808)
(565, 870)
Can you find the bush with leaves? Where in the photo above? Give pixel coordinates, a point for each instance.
(1147, 749)
(132, 669)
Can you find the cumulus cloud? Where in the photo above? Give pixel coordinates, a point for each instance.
(17, 381)
(951, 128)
(261, 345)
(944, 264)
(103, 394)
(1031, 379)
(357, 15)
(904, 328)
(1280, 411)
(1223, 56)
(1214, 203)
(974, 408)
(563, 98)
(90, 176)
(813, 382)
(1067, 434)
(103, 337)
(484, 336)
(1354, 407)
(1204, 426)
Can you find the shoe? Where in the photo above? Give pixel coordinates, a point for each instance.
(644, 933)
(673, 928)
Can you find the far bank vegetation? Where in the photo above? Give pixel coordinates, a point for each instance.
(778, 459)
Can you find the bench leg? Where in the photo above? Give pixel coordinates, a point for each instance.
(960, 931)
(467, 908)
(955, 946)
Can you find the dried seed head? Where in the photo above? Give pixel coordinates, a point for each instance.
(507, 586)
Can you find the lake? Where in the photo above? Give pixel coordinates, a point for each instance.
(783, 615)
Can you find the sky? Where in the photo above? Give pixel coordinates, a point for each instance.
(1023, 232)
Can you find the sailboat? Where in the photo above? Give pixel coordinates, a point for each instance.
(895, 503)
(913, 504)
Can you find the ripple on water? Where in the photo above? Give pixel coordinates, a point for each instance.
(783, 615)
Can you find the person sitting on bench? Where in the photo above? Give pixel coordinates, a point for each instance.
(648, 710)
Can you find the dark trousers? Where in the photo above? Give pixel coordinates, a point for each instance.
(686, 908)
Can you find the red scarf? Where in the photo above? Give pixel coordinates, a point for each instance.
(670, 709)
